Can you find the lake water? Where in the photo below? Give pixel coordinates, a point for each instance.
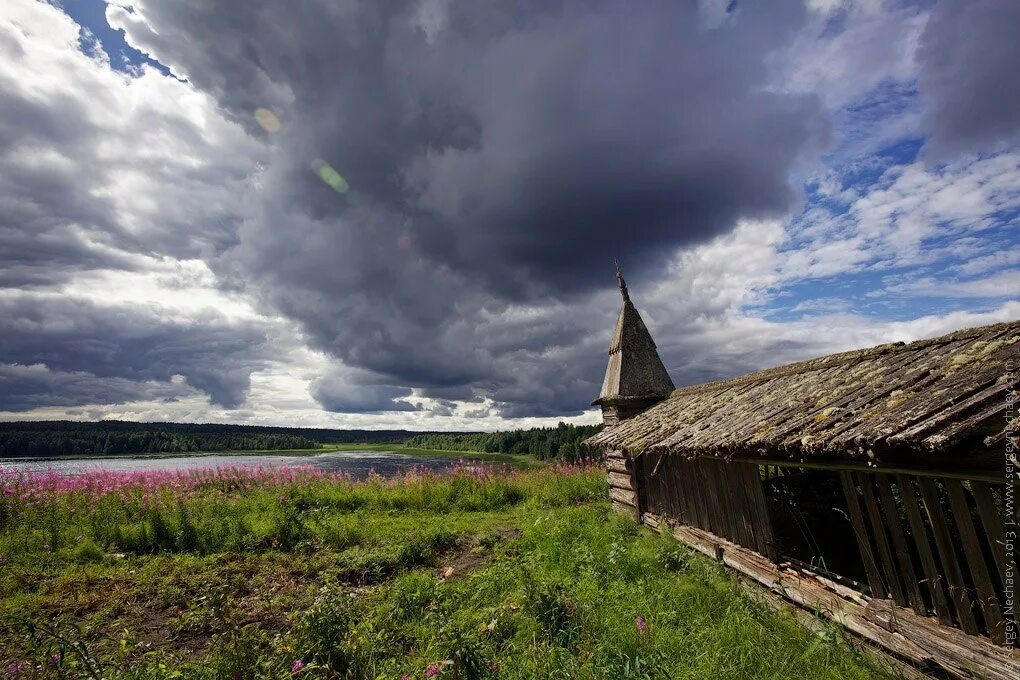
(356, 463)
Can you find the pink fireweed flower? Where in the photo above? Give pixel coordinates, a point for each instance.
(296, 668)
(641, 624)
(432, 671)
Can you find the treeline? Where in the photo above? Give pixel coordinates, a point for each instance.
(562, 441)
(46, 439)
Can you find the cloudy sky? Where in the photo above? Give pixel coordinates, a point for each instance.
(375, 213)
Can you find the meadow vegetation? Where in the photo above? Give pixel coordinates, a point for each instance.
(479, 573)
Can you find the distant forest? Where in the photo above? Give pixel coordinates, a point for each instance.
(562, 441)
(56, 438)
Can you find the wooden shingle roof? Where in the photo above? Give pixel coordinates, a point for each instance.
(919, 398)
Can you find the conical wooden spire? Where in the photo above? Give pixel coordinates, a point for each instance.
(635, 378)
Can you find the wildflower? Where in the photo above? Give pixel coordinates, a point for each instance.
(432, 671)
(641, 624)
(296, 668)
(55, 660)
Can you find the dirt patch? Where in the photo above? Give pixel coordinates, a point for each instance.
(472, 555)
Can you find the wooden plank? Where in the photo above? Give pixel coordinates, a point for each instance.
(932, 578)
(987, 597)
(878, 588)
(747, 485)
(617, 465)
(625, 497)
(705, 480)
(669, 488)
(899, 541)
(919, 640)
(655, 485)
(885, 555)
(696, 496)
(724, 497)
(845, 466)
(993, 524)
(763, 518)
(620, 481)
(681, 492)
(947, 555)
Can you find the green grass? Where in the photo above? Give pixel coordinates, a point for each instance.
(519, 575)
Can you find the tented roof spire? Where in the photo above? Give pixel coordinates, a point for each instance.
(635, 377)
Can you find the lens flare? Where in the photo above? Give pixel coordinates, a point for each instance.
(330, 176)
(267, 119)
(405, 242)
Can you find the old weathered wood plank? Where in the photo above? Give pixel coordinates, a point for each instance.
(878, 530)
(958, 592)
(878, 588)
(763, 519)
(620, 481)
(746, 483)
(902, 632)
(993, 524)
(625, 497)
(933, 580)
(911, 583)
(848, 466)
(617, 465)
(987, 597)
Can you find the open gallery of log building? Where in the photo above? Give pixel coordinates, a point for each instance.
(874, 487)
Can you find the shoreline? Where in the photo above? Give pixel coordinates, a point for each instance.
(508, 459)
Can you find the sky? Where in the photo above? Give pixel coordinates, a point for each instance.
(404, 213)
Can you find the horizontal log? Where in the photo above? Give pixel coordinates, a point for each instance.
(617, 465)
(620, 481)
(973, 475)
(918, 639)
(890, 663)
(623, 496)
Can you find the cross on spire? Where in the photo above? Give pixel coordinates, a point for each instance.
(621, 282)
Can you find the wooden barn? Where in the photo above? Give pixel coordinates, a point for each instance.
(873, 487)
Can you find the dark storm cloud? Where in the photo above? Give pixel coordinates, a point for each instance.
(117, 345)
(498, 157)
(970, 79)
(26, 387)
(337, 393)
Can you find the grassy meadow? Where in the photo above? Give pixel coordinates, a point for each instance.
(479, 573)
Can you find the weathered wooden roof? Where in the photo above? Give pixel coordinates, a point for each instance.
(635, 371)
(922, 397)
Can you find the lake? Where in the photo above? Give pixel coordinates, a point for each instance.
(355, 463)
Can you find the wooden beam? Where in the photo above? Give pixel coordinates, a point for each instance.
(878, 588)
(987, 597)
(993, 524)
(882, 541)
(617, 465)
(919, 640)
(899, 541)
(932, 578)
(623, 496)
(947, 555)
(620, 481)
(843, 466)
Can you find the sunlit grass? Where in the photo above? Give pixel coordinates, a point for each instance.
(475, 574)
